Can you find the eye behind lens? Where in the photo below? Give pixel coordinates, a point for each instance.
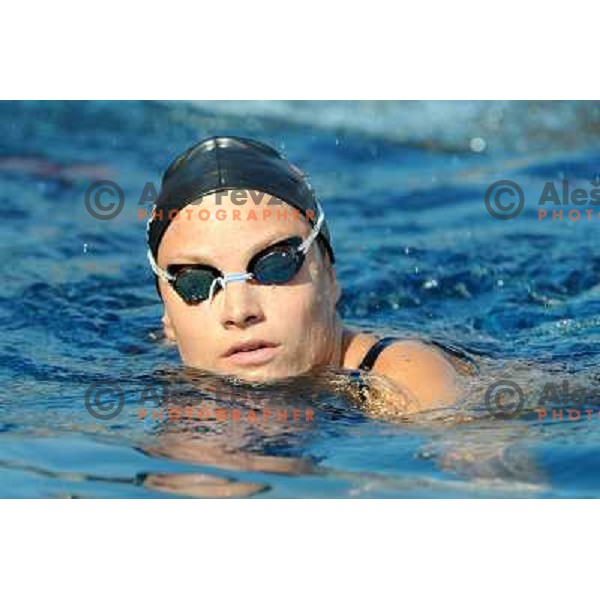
(279, 266)
(193, 284)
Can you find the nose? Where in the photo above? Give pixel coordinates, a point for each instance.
(240, 306)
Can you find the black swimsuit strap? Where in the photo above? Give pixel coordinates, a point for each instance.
(377, 348)
(374, 351)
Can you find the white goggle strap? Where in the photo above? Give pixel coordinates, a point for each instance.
(161, 273)
(305, 245)
(229, 278)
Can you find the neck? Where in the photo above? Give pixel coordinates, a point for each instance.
(342, 337)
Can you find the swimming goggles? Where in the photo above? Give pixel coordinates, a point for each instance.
(276, 264)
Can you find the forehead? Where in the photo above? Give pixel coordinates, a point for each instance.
(223, 225)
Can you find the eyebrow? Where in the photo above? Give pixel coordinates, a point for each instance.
(199, 258)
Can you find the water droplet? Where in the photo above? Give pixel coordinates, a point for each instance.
(477, 144)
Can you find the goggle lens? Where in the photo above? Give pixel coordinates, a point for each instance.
(273, 266)
(193, 284)
(279, 265)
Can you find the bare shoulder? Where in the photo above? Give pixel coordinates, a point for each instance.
(420, 369)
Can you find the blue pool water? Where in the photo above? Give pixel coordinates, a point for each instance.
(78, 305)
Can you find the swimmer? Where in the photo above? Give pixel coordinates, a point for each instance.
(256, 298)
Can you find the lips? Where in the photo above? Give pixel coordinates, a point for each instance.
(249, 346)
(252, 352)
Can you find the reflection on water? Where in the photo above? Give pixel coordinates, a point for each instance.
(78, 308)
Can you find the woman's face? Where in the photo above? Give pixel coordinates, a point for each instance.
(298, 320)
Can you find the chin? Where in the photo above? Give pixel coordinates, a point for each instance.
(266, 373)
(259, 375)
(271, 371)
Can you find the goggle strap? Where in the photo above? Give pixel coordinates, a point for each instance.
(305, 245)
(164, 275)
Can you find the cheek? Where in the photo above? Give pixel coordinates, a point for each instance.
(307, 324)
(289, 309)
(298, 310)
(190, 327)
(323, 296)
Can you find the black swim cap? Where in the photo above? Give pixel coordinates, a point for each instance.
(226, 163)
